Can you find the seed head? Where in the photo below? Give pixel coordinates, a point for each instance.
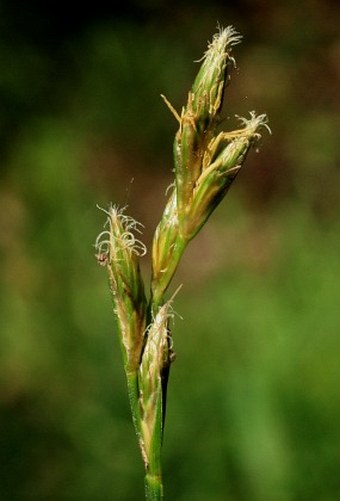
(155, 359)
(118, 249)
(206, 162)
(207, 90)
(226, 154)
(200, 117)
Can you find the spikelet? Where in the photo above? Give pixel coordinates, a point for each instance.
(118, 249)
(206, 161)
(153, 369)
(200, 116)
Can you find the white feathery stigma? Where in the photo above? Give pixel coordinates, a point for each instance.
(119, 236)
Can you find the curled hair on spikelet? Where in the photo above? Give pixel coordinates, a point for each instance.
(254, 123)
(119, 235)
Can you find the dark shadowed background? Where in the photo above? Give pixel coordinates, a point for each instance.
(254, 402)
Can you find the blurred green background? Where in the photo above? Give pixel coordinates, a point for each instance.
(254, 401)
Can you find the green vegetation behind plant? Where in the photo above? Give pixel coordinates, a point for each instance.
(262, 365)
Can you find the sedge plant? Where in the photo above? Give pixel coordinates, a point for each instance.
(206, 162)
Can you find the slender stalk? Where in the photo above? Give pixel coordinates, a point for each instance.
(153, 470)
(153, 487)
(133, 393)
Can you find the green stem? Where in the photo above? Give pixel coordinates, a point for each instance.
(132, 384)
(153, 474)
(153, 487)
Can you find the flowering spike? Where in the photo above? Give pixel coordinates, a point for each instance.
(208, 87)
(118, 249)
(206, 164)
(156, 359)
(200, 117)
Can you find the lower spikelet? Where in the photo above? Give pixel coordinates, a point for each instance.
(118, 249)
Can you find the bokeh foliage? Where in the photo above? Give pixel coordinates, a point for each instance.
(254, 407)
